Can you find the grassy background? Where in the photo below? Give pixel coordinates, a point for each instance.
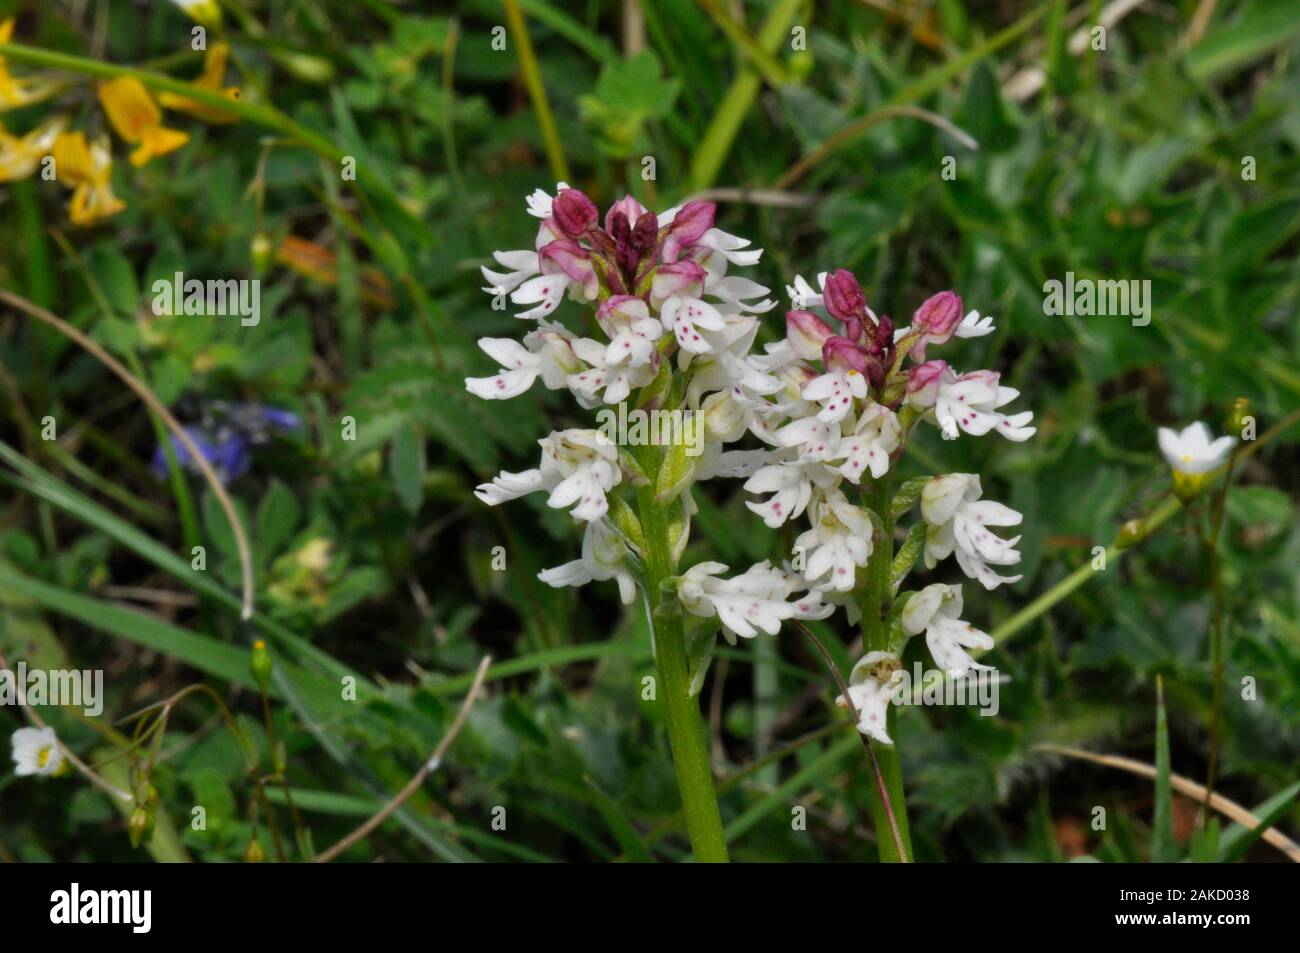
(1125, 163)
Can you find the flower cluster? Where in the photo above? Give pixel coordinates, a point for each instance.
(85, 165)
(826, 411)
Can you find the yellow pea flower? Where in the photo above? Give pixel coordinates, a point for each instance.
(211, 79)
(20, 91)
(207, 12)
(20, 156)
(87, 169)
(138, 120)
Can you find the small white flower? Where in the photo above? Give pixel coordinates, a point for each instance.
(973, 326)
(539, 202)
(959, 522)
(690, 319)
(791, 485)
(871, 690)
(36, 751)
(875, 436)
(603, 557)
(936, 611)
(835, 391)
(970, 402)
(547, 351)
(801, 294)
(838, 543)
(748, 603)
(1193, 450)
(544, 291)
(578, 466)
(522, 265)
(617, 378)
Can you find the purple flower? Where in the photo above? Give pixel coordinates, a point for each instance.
(225, 437)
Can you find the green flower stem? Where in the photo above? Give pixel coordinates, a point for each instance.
(537, 92)
(875, 637)
(685, 727)
(1216, 632)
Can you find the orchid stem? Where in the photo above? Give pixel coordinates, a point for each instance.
(889, 805)
(686, 733)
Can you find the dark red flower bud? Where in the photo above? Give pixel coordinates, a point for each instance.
(573, 212)
(840, 354)
(884, 339)
(843, 295)
(938, 316)
(645, 232)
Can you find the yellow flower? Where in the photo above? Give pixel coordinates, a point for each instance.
(137, 119)
(86, 169)
(316, 555)
(211, 79)
(20, 91)
(207, 12)
(19, 157)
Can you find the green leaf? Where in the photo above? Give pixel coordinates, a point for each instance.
(1257, 31)
(907, 496)
(277, 518)
(619, 824)
(1236, 840)
(700, 646)
(905, 558)
(628, 93)
(674, 473)
(406, 465)
(1162, 825)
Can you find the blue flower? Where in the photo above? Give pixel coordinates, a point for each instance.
(225, 437)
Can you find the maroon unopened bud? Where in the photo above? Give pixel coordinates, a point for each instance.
(629, 208)
(841, 354)
(807, 334)
(843, 296)
(875, 371)
(689, 225)
(938, 317)
(573, 212)
(884, 338)
(645, 232)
